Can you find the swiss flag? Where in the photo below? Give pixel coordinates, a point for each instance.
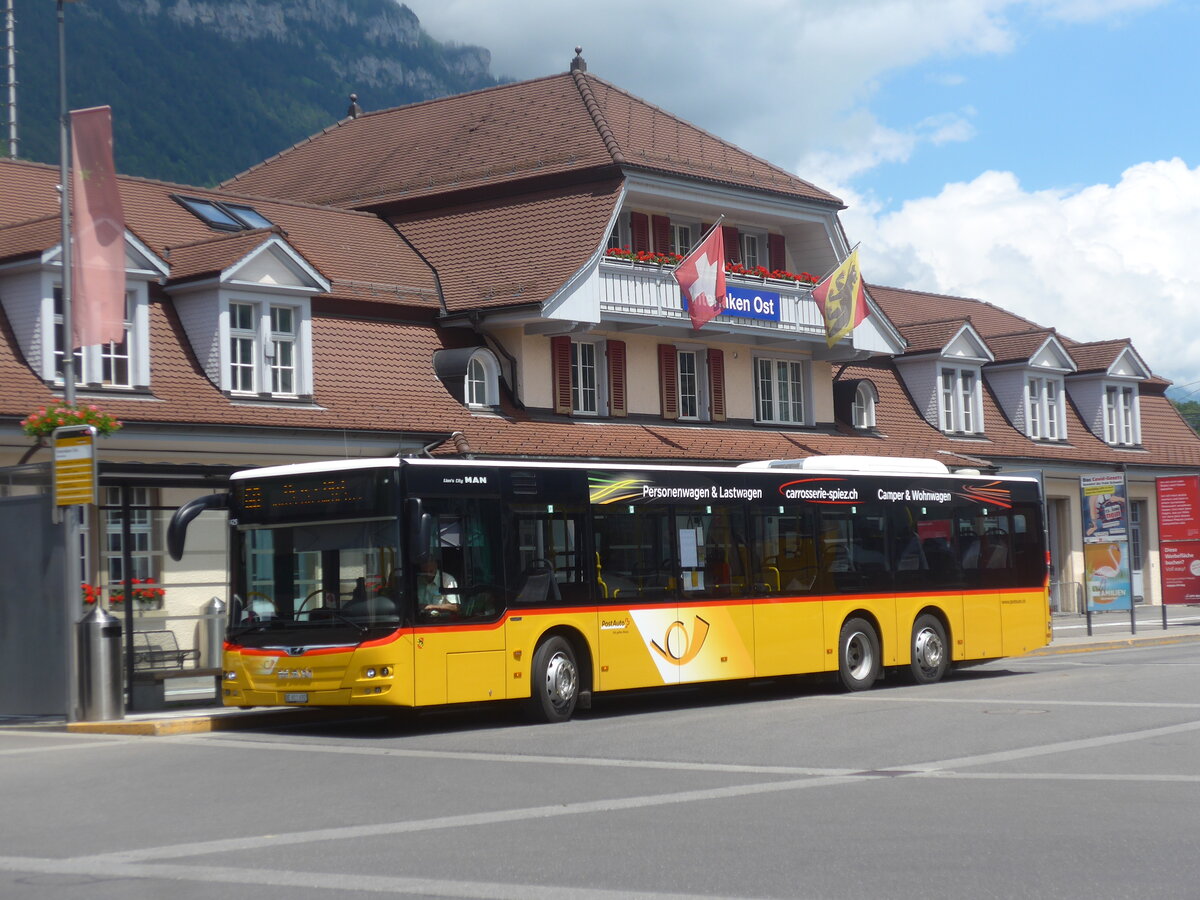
(701, 276)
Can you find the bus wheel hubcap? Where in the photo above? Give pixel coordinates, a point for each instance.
(560, 680)
(928, 649)
(858, 655)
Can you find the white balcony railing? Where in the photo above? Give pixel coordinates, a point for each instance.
(640, 290)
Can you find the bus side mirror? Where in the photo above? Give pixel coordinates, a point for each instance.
(177, 529)
(420, 532)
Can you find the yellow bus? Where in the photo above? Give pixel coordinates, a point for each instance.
(421, 582)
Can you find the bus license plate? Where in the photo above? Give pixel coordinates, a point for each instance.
(295, 698)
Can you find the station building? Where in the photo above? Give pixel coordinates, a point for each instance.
(489, 274)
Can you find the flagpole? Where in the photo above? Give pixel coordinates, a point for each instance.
(837, 265)
(700, 240)
(64, 161)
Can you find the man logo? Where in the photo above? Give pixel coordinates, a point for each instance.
(680, 649)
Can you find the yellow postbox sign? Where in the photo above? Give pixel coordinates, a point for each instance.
(74, 465)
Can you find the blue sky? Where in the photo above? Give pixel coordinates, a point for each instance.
(1037, 154)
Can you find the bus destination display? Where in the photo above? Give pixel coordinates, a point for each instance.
(342, 495)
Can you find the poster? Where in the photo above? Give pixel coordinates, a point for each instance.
(1179, 538)
(1105, 508)
(1107, 573)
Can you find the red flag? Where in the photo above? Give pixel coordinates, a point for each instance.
(701, 276)
(841, 300)
(97, 231)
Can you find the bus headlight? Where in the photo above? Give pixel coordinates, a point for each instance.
(371, 672)
(230, 675)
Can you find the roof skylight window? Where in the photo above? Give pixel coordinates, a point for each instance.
(224, 216)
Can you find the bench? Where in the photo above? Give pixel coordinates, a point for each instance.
(159, 650)
(158, 657)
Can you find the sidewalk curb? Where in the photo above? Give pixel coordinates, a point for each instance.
(1115, 644)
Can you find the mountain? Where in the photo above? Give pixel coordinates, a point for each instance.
(202, 89)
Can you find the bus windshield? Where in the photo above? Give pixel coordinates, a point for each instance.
(339, 580)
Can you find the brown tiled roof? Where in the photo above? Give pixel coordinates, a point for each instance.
(923, 337)
(214, 254)
(1018, 346)
(544, 128)
(359, 254)
(501, 253)
(1097, 356)
(30, 238)
(906, 307)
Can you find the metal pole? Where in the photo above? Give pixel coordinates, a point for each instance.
(10, 30)
(64, 165)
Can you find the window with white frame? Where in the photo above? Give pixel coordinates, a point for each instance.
(1121, 416)
(264, 348)
(862, 408)
(585, 378)
(141, 535)
(619, 236)
(682, 238)
(687, 366)
(1044, 408)
(281, 350)
(482, 385)
(960, 400)
(779, 385)
(752, 246)
(108, 364)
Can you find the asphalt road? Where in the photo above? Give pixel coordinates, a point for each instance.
(1073, 775)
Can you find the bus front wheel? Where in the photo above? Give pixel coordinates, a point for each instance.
(858, 655)
(554, 682)
(930, 652)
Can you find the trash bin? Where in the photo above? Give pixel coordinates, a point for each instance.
(100, 671)
(212, 633)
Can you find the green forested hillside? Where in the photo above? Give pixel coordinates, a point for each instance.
(202, 89)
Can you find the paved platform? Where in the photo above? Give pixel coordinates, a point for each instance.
(1110, 631)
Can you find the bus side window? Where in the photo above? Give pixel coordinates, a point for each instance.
(784, 557)
(635, 558)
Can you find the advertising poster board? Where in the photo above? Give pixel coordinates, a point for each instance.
(1105, 505)
(1179, 538)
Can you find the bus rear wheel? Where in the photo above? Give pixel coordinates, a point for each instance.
(930, 652)
(554, 682)
(859, 660)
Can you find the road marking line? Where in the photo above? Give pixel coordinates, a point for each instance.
(326, 881)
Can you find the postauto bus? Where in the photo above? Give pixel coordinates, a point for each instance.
(419, 582)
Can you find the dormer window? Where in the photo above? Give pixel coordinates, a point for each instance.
(960, 401)
(1122, 426)
(114, 364)
(264, 347)
(1044, 410)
(482, 385)
(862, 409)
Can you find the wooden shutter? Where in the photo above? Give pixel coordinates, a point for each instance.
(560, 364)
(616, 377)
(733, 244)
(639, 231)
(662, 234)
(777, 251)
(668, 381)
(716, 384)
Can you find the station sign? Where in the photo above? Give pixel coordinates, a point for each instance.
(74, 465)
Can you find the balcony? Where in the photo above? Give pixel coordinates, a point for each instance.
(630, 292)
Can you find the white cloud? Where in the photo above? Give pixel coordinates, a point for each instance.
(1101, 262)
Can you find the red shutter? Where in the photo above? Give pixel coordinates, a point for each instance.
(639, 230)
(616, 377)
(668, 381)
(662, 234)
(716, 384)
(733, 244)
(776, 250)
(560, 364)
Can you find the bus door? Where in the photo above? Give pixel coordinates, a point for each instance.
(983, 542)
(712, 635)
(788, 613)
(636, 581)
(550, 584)
(459, 594)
